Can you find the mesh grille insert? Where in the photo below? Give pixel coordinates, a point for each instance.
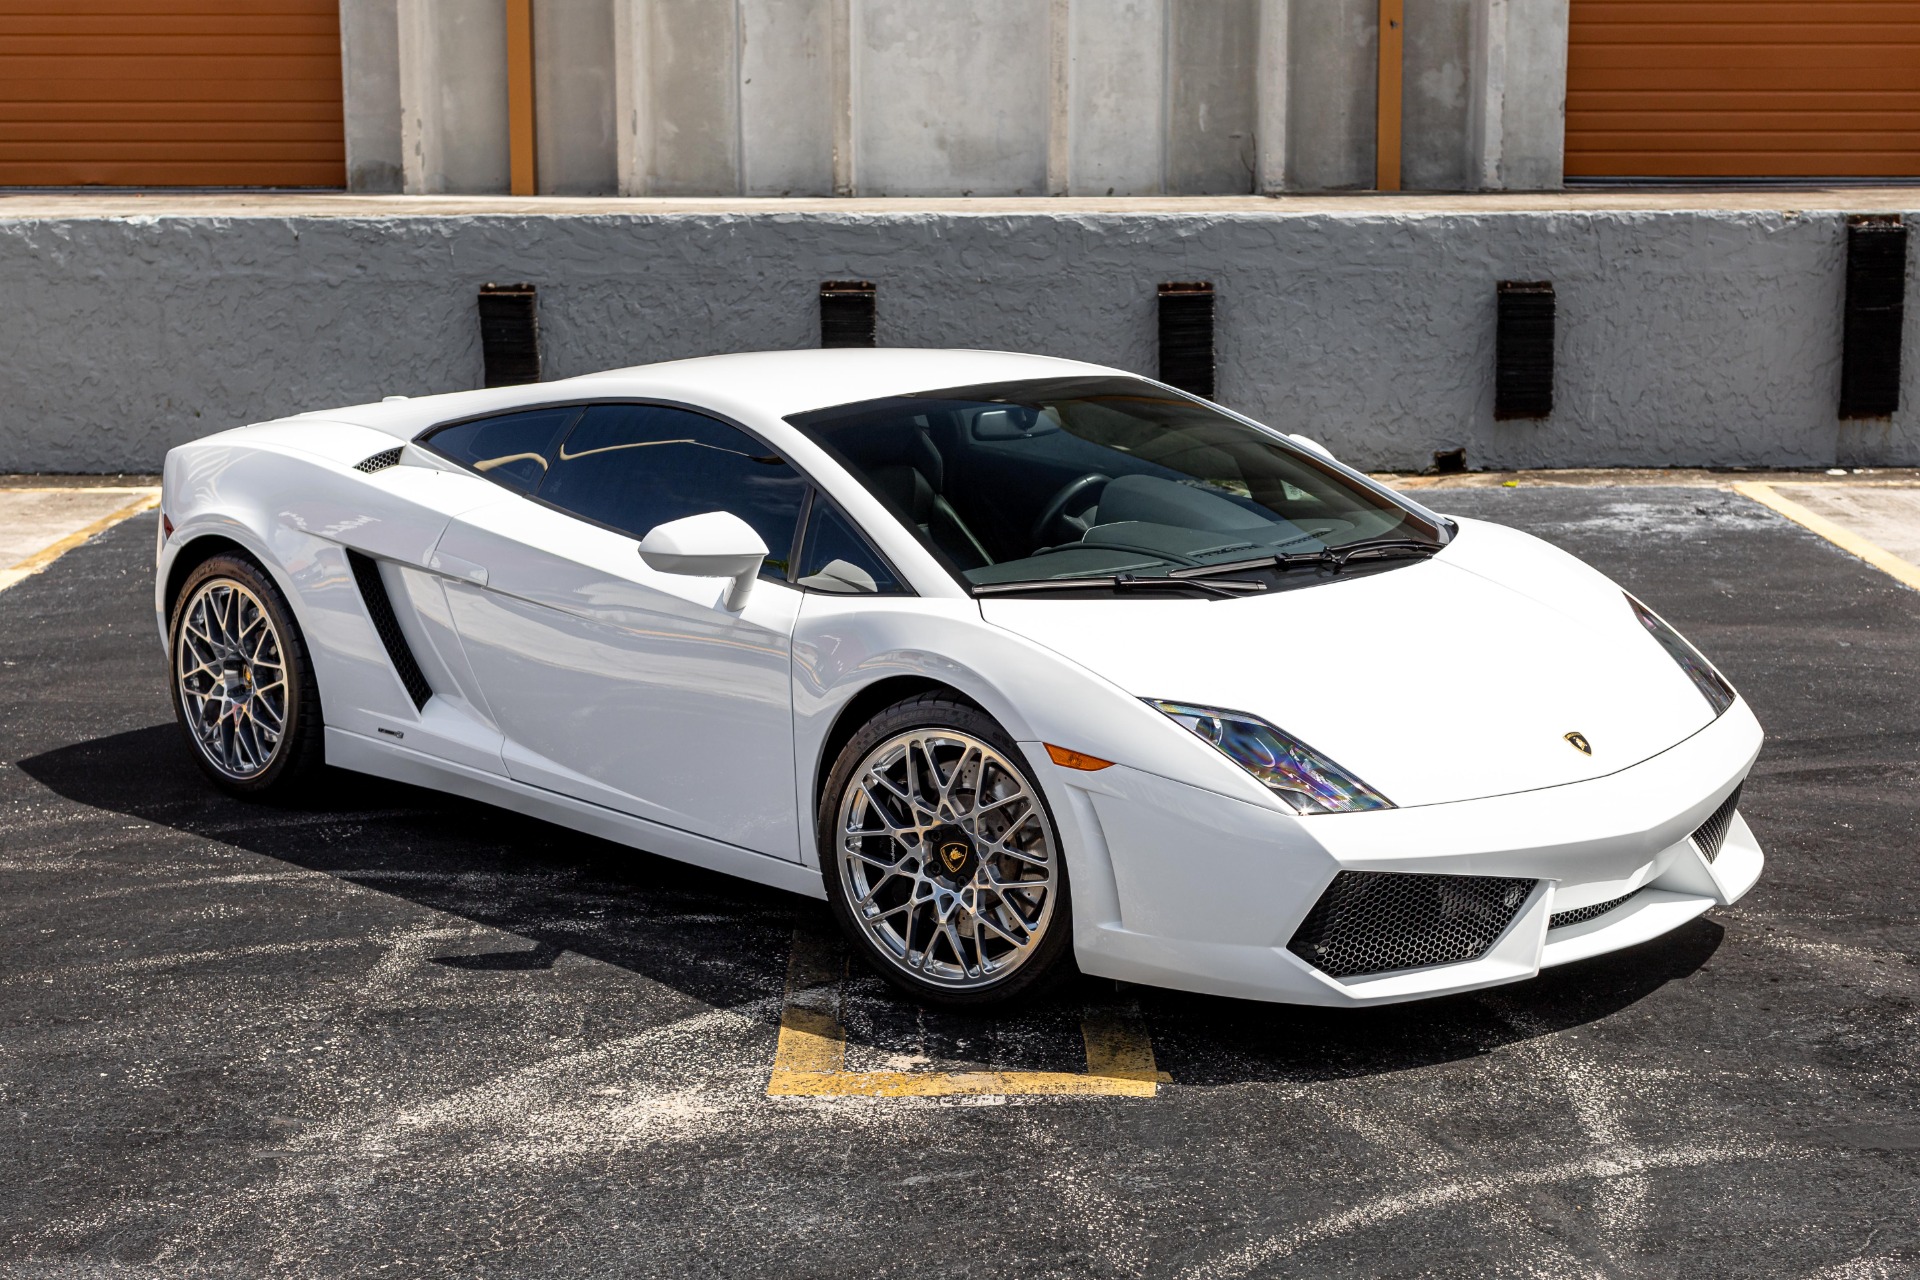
(379, 461)
(380, 608)
(1380, 921)
(1580, 915)
(1713, 832)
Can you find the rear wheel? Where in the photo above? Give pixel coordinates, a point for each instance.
(941, 858)
(243, 690)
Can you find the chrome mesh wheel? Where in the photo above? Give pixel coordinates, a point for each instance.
(230, 670)
(948, 861)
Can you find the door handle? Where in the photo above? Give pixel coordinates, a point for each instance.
(455, 567)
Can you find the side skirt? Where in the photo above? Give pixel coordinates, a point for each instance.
(386, 760)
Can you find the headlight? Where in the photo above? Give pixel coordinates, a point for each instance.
(1295, 772)
(1711, 684)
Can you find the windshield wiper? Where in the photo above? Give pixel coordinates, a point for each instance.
(1338, 556)
(1123, 581)
(1216, 578)
(1334, 558)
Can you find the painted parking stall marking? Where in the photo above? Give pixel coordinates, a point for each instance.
(1894, 566)
(38, 526)
(810, 1060)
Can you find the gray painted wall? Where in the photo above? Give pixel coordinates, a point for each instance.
(1685, 338)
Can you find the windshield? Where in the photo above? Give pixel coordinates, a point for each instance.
(1094, 477)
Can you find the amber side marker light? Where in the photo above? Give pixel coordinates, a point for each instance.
(1076, 759)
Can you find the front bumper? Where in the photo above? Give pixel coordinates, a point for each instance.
(1184, 888)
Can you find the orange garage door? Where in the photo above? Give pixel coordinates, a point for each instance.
(171, 93)
(1743, 88)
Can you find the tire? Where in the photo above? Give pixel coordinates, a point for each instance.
(945, 865)
(236, 665)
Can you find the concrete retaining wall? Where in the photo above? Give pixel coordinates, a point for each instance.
(944, 98)
(1685, 338)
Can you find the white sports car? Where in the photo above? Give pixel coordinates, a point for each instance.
(1018, 662)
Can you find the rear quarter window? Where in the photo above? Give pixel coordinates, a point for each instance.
(515, 449)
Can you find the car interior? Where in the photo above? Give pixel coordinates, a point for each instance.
(1079, 477)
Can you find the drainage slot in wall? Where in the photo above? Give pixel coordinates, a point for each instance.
(1186, 337)
(509, 334)
(1875, 314)
(847, 313)
(1523, 359)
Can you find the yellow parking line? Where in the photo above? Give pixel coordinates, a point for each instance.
(1840, 536)
(147, 501)
(810, 1060)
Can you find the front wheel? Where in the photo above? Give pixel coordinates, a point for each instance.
(242, 688)
(941, 858)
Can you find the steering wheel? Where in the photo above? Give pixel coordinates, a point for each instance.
(1055, 511)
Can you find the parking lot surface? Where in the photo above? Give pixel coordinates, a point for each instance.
(390, 1033)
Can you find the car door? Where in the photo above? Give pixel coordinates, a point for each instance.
(618, 684)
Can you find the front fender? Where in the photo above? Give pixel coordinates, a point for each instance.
(844, 644)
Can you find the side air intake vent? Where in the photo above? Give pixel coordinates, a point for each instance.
(1580, 915)
(380, 608)
(1380, 921)
(1713, 832)
(379, 461)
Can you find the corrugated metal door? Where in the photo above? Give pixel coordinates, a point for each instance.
(1743, 88)
(171, 93)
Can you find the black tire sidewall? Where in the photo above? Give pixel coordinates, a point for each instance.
(300, 745)
(1052, 960)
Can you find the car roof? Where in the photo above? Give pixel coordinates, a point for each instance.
(787, 382)
(751, 385)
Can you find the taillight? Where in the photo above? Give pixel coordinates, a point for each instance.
(166, 526)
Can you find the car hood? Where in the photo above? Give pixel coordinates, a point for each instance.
(1446, 679)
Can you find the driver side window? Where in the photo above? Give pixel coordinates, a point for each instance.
(630, 467)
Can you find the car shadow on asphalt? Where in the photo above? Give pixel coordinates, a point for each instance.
(715, 938)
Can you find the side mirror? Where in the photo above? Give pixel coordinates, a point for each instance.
(1314, 445)
(718, 544)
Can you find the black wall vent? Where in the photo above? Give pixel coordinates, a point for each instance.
(1186, 337)
(379, 461)
(373, 592)
(1876, 303)
(1523, 357)
(509, 334)
(847, 314)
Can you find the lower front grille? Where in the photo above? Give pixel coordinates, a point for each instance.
(1713, 832)
(1380, 921)
(1580, 915)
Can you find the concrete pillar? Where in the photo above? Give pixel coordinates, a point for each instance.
(678, 97)
(1436, 151)
(950, 100)
(1270, 80)
(453, 96)
(1517, 130)
(370, 88)
(786, 97)
(1211, 51)
(573, 98)
(1332, 62)
(1116, 97)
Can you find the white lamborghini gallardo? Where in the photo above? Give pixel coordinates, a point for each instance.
(1019, 662)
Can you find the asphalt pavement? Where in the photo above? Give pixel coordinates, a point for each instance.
(386, 1033)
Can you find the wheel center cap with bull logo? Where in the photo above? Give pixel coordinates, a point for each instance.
(950, 853)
